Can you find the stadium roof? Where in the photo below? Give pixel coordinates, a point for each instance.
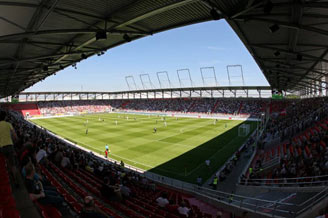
(41, 37)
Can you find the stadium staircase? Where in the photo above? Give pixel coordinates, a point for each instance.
(7, 201)
(191, 106)
(240, 107)
(124, 104)
(215, 105)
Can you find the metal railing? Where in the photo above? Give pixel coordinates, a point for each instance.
(285, 182)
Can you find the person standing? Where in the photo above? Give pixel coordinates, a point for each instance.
(106, 150)
(199, 180)
(7, 136)
(215, 183)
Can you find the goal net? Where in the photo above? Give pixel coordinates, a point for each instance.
(243, 130)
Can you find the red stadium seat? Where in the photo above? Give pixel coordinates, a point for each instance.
(9, 212)
(50, 212)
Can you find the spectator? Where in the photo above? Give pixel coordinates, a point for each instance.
(162, 200)
(90, 210)
(183, 209)
(125, 190)
(7, 135)
(219, 214)
(65, 162)
(41, 154)
(110, 191)
(36, 191)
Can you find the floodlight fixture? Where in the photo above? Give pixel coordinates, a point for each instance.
(127, 38)
(215, 15)
(274, 28)
(101, 35)
(276, 53)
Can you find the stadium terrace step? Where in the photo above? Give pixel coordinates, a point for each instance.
(192, 105)
(14, 201)
(215, 105)
(240, 107)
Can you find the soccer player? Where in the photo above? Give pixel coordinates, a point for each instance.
(135, 118)
(165, 124)
(106, 153)
(225, 125)
(155, 130)
(86, 131)
(116, 122)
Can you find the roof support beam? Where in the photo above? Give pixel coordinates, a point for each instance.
(311, 69)
(67, 31)
(135, 19)
(291, 52)
(42, 43)
(284, 44)
(291, 66)
(154, 12)
(12, 23)
(286, 24)
(11, 61)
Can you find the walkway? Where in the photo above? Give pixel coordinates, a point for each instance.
(229, 184)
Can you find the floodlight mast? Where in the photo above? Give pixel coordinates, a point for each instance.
(241, 73)
(144, 83)
(161, 82)
(181, 79)
(202, 71)
(129, 85)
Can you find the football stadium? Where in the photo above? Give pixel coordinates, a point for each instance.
(180, 144)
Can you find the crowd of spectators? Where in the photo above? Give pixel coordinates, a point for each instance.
(301, 148)
(181, 105)
(63, 107)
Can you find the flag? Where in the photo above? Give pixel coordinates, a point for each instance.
(283, 112)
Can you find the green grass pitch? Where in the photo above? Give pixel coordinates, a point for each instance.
(178, 150)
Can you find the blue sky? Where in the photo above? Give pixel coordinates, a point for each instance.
(210, 44)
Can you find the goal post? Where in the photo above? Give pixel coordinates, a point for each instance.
(243, 130)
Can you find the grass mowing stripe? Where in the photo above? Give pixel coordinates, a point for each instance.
(184, 142)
